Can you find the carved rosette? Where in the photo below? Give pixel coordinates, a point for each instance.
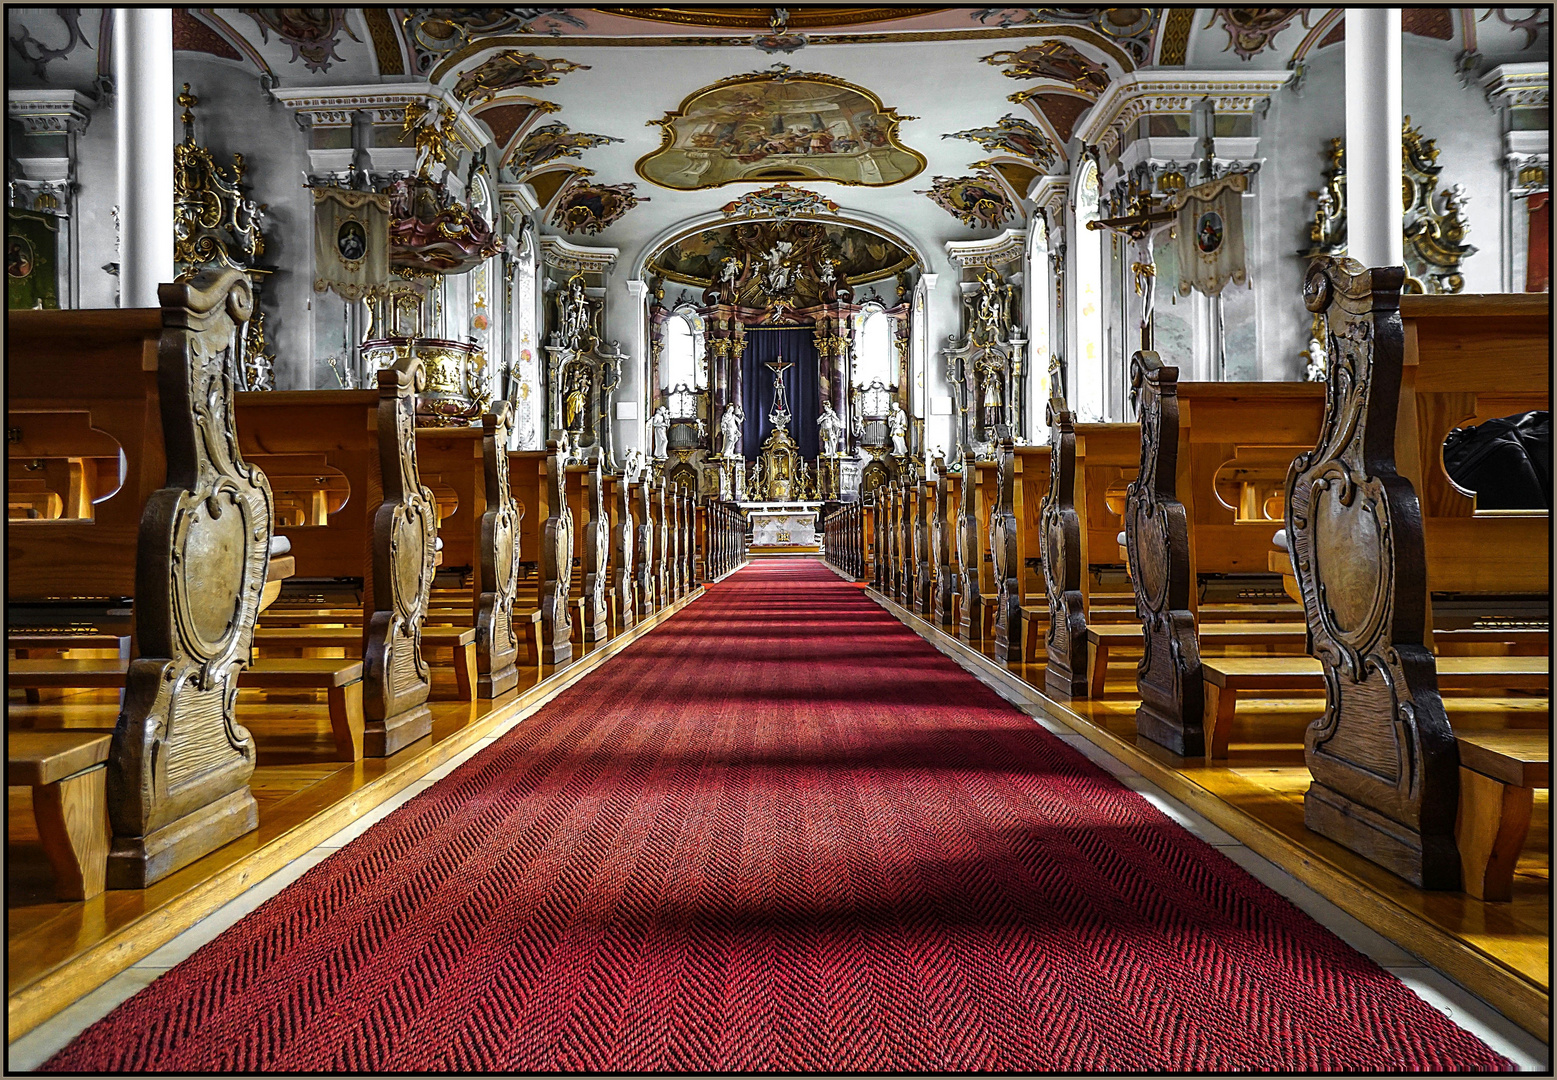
(180, 764)
(1065, 672)
(623, 567)
(1006, 556)
(1168, 676)
(556, 563)
(497, 646)
(597, 543)
(941, 545)
(396, 681)
(1383, 757)
(969, 553)
(643, 569)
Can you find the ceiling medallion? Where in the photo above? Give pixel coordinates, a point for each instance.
(780, 125)
(508, 70)
(976, 201)
(1014, 136)
(778, 38)
(588, 208)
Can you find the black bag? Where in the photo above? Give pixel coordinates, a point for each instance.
(1507, 462)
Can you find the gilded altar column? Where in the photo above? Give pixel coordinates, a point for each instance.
(1373, 121)
(143, 85)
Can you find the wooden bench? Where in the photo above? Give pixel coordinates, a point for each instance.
(1499, 771)
(1103, 639)
(1201, 504)
(384, 536)
(156, 383)
(1229, 677)
(1373, 553)
(67, 771)
(539, 482)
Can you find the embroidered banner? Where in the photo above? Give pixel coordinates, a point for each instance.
(1208, 235)
(351, 242)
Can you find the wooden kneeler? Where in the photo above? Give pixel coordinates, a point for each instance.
(67, 772)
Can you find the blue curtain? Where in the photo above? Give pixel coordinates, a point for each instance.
(802, 383)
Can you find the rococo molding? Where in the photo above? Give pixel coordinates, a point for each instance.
(557, 252)
(1155, 92)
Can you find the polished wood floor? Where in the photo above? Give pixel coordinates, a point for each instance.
(1501, 951)
(57, 951)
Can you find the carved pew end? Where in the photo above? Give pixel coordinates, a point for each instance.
(135, 862)
(1427, 860)
(380, 738)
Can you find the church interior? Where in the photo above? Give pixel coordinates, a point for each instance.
(811, 539)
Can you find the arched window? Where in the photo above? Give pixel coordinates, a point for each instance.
(873, 347)
(1039, 349)
(1087, 399)
(681, 362)
(525, 373)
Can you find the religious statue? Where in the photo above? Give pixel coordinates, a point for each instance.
(897, 425)
(830, 426)
(730, 431)
(564, 446)
(632, 465)
(577, 401)
(573, 314)
(660, 425)
(1318, 368)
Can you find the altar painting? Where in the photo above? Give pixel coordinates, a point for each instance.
(780, 126)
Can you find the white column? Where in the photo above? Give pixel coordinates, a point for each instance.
(1374, 217)
(144, 92)
(635, 432)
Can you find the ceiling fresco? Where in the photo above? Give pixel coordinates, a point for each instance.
(780, 125)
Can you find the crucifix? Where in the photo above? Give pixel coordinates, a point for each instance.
(778, 416)
(1140, 226)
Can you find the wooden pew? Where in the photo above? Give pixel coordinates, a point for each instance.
(1031, 482)
(946, 547)
(623, 593)
(645, 576)
(67, 771)
(1006, 548)
(195, 520)
(972, 543)
(539, 480)
(1386, 762)
(384, 535)
(498, 616)
(1064, 557)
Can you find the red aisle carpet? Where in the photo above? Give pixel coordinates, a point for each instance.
(780, 833)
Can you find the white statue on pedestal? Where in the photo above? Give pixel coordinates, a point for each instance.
(632, 464)
(659, 425)
(897, 425)
(730, 431)
(830, 426)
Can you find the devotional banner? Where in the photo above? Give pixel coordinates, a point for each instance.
(1208, 235)
(351, 242)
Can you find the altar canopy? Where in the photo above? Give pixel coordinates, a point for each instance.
(798, 346)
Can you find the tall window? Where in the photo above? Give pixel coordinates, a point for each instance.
(681, 362)
(1038, 304)
(1087, 400)
(525, 374)
(873, 357)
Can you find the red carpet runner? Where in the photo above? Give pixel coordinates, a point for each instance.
(780, 833)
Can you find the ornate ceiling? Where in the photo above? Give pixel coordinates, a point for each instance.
(636, 123)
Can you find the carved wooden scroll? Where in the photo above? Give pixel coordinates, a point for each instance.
(944, 523)
(623, 552)
(970, 554)
(1157, 538)
(497, 646)
(179, 767)
(395, 679)
(556, 563)
(1007, 552)
(1065, 671)
(597, 544)
(924, 510)
(906, 577)
(643, 566)
(678, 513)
(878, 533)
(1383, 756)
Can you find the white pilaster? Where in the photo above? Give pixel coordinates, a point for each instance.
(631, 433)
(143, 85)
(1373, 118)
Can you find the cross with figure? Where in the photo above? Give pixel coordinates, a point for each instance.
(778, 416)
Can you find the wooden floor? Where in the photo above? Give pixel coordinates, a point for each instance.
(1500, 951)
(59, 951)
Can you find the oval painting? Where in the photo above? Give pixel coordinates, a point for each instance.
(351, 240)
(780, 126)
(1208, 233)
